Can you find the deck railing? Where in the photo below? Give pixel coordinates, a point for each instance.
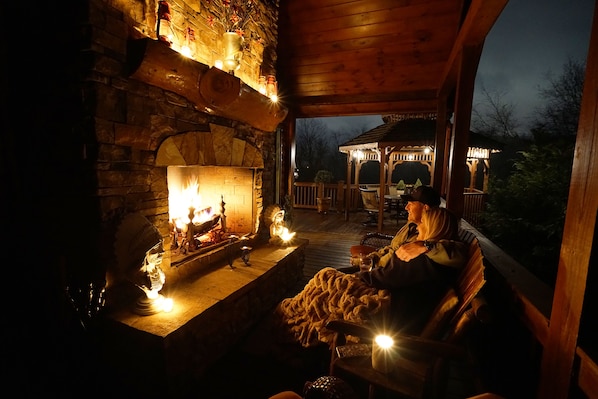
(305, 195)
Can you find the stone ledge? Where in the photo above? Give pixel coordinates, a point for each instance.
(164, 353)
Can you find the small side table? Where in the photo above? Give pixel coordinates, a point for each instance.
(408, 381)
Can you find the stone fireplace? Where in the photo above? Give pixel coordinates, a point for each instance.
(156, 126)
(100, 134)
(153, 113)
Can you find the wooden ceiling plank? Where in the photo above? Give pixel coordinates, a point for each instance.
(303, 13)
(373, 98)
(352, 70)
(335, 89)
(372, 20)
(435, 42)
(430, 28)
(397, 55)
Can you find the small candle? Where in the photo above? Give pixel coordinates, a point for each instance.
(382, 348)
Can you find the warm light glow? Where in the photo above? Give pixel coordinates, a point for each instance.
(218, 64)
(261, 85)
(278, 231)
(271, 86)
(274, 98)
(153, 294)
(382, 353)
(186, 51)
(359, 154)
(184, 194)
(167, 305)
(479, 153)
(384, 341)
(427, 150)
(286, 235)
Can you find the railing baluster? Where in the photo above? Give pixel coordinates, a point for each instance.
(306, 194)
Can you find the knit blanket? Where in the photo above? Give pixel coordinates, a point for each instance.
(329, 295)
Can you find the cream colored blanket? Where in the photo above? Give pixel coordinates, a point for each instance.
(329, 295)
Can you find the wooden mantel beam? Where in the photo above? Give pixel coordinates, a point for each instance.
(211, 90)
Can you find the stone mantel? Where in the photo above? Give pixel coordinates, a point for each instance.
(212, 310)
(211, 90)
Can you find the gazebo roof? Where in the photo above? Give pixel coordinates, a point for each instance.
(480, 141)
(409, 132)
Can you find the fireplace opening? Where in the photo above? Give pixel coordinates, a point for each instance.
(207, 206)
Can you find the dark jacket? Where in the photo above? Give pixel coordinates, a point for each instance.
(416, 287)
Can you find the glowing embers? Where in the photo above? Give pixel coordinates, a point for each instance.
(201, 229)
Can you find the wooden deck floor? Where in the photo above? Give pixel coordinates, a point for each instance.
(254, 370)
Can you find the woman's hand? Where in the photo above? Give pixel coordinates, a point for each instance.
(411, 250)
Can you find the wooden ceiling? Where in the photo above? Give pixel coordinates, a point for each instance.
(360, 57)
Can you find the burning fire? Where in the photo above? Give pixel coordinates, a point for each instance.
(192, 222)
(186, 205)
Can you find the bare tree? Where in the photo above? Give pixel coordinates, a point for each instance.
(338, 138)
(317, 148)
(560, 114)
(313, 147)
(494, 117)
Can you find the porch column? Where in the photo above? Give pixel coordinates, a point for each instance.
(468, 64)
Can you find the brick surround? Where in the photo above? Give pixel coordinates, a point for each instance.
(133, 131)
(133, 126)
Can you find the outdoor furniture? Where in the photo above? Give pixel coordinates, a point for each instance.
(371, 205)
(396, 202)
(420, 370)
(419, 366)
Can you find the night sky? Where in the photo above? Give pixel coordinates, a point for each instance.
(530, 39)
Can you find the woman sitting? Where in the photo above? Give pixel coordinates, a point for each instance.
(416, 276)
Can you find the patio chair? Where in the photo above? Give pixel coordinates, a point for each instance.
(371, 204)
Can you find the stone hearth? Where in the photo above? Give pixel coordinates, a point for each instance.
(162, 354)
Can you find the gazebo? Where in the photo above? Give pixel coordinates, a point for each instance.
(410, 138)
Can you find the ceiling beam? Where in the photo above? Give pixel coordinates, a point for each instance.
(481, 16)
(316, 109)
